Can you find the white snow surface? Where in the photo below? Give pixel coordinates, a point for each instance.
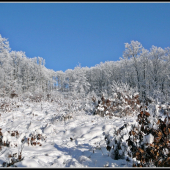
(148, 138)
(76, 142)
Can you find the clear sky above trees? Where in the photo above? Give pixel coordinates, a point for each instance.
(66, 34)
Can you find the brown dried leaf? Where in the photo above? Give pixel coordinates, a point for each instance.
(137, 153)
(152, 151)
(133, 133)
(147, 114)
(169, 130)
(152, 145)
(157, 139)
(159, 163)
(141, 150)
(141, 113)
(159, 134)
(158, 122)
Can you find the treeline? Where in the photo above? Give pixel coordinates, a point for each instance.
(21, 74)
(146, 70)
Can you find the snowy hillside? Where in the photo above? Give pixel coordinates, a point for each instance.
(47, 140)
(62, 133)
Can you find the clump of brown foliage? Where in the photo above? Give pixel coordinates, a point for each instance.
(157, 152)
(122, 105)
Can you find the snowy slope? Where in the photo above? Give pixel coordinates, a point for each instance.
(74, 142)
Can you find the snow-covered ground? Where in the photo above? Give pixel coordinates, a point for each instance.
(74, 142)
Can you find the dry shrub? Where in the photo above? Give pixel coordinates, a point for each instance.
(108, 107)
(158, 151)
(34, 139)
(148, 144)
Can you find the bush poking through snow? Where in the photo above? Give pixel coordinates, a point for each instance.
(14, 158)
(123, 104)
(148, 143)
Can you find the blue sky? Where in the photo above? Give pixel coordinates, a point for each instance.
(66, 34)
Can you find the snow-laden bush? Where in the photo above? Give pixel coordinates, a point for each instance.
(146, 143)
(121, 105)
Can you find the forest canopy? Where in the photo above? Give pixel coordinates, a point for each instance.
(146, 70)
